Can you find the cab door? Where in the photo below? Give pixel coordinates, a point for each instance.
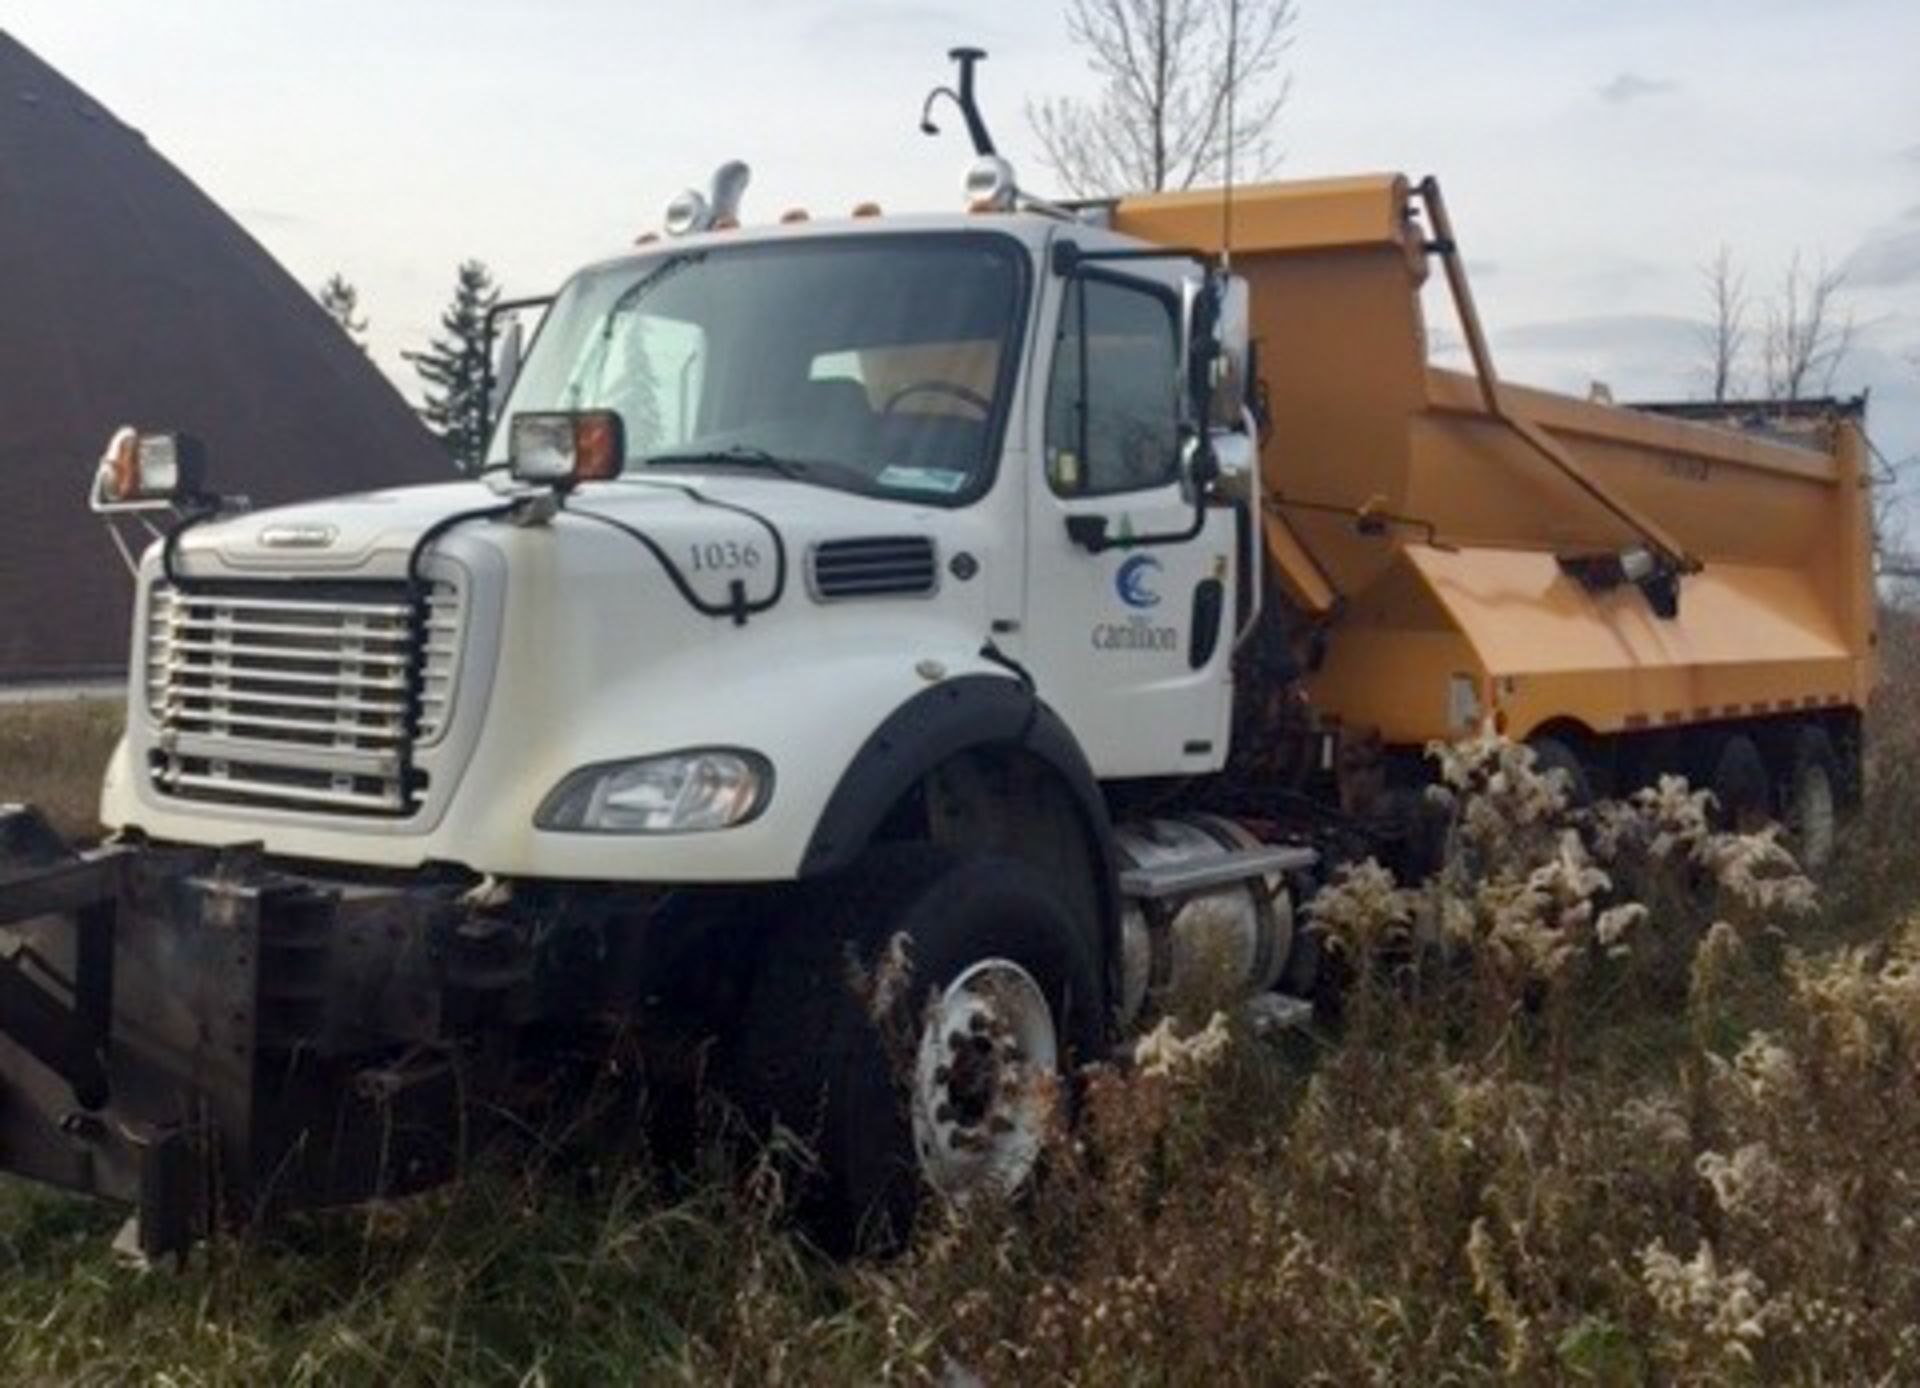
(1128, 622)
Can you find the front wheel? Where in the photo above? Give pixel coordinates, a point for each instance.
(917, 1030)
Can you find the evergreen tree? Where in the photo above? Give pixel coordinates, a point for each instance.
(342, 304)
(454, 369)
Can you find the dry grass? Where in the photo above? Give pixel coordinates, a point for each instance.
(52, 755)
(1546, 1140)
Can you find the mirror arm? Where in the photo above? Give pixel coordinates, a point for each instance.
(495, 311)
(1090, 531)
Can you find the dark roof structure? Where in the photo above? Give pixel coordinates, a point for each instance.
(128, 297)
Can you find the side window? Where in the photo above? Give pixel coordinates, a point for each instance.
(1113, 406)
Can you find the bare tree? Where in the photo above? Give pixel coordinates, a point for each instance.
(1808, 331)
(1161, 119)
(1725, 335)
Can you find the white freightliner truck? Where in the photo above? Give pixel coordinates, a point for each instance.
(838, 594)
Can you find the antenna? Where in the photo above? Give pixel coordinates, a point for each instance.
(1226, 197)
(969, 109)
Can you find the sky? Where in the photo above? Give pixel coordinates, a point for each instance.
(1595, 155)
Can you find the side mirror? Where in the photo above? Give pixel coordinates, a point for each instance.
(1215, 373)
(1236, 465)
(1233, 338)
(1198, 467)
(1219, 320)
(1199, 317)
(564, 448)
(148, 472)
(506, 367)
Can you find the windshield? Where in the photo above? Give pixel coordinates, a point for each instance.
(873, 363)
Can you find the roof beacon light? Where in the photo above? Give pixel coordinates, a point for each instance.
(718, 209)
(688, 213)
(990, 185)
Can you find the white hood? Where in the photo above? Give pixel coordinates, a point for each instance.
(367, 534)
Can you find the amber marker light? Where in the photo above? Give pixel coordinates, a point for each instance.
(122, 465)
(599, 446)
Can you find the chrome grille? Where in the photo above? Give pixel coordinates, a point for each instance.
(299, 695)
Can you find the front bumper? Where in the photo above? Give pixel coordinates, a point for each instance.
(206, 1037)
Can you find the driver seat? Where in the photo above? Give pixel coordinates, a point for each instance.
(837, 418)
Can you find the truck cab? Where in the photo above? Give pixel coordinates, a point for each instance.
(862, 460)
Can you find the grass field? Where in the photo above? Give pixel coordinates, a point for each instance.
(51, 755)
(1659, 1122)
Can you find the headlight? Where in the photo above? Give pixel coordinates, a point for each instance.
(681, 793)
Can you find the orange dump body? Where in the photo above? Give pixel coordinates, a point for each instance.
(1451, 603)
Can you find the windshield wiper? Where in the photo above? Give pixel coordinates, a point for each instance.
(825, 471)
(738, 454)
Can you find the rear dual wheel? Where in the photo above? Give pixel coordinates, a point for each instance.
(1813, 800)
(1742, 789)
(1807, 792)
(1553, 756)
(944, 1078)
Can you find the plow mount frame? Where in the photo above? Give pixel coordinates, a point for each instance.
(206, 1038)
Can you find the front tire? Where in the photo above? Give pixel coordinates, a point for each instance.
(942, 1076)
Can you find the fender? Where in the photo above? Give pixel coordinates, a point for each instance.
(933, 727)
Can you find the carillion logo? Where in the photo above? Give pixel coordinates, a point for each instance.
(1131, 581)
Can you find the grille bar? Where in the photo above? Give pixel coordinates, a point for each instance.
(266, 654)
(225, 678)
(299, 695)
(189, 700)
(387, 727)
(199, 786)
(253, 751)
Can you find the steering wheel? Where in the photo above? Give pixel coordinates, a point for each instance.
(948, 388)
